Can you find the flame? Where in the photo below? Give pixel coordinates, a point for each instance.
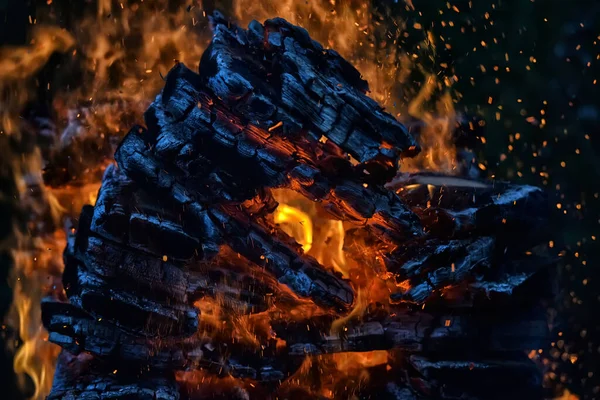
(36, 357)
(319, 235)
(567, 395)
(37, 261)
(359, 361)
(36, 274)
(439, 152)
(295, 223)
(330, 250)
(160, 36)
(351, 369)
(121, 54)
(19, 64)
(357, 311)
(323, 238)
(37, 257)
(336, 24)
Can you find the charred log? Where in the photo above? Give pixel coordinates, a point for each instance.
(184, 224)
(83, 377)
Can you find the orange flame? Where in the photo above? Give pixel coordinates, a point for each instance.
(36, 357)
(19, 64)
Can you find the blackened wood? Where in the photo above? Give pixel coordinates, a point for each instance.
(475, 377)
(229, 157)
(126, 215)
(76, 331)
(421, 333)
(219, 225)
(83, 377)
(444, 332)
(274, 73)
(457, 207)
(99, 279)
(79, 333)
(439, 265)
(162, 287)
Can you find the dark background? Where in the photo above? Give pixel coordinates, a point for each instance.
(530, 69)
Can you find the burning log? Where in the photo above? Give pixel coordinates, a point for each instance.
(180, 266)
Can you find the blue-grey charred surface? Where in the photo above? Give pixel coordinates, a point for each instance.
(85, 377)
(185, 219)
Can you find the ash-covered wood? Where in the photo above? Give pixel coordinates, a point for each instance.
(180, 267)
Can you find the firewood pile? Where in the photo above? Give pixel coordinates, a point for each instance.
(181, 285)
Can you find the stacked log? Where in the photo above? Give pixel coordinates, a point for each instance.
(179, 266)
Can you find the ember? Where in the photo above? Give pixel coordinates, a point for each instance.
(183, 279)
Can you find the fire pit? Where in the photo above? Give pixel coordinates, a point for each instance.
(254, 240)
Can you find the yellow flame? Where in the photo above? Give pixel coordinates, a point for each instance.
(320, 236)
(329, 250)
(302, 221)
(36, 356)
(295, 223)
(37, 269)
(358, 310)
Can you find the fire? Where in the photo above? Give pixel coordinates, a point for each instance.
(320, 236)
(439, 153)
(567, 395)
(36, 274)
(346, 372)
(302, 219)
(122, 53)
(335, 23)
(19, 64)
(295, 223)
(362, 302)
(36, 357)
